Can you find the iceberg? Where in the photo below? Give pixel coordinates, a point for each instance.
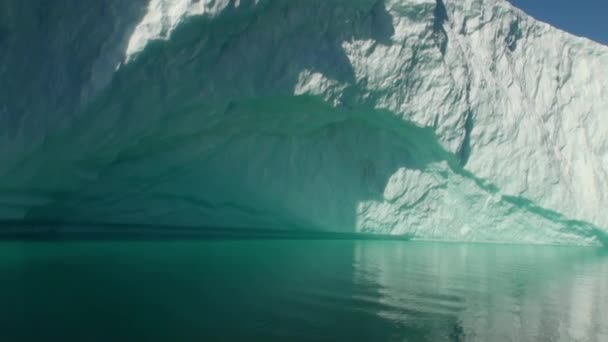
(439, 119)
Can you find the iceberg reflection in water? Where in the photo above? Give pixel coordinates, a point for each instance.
(489, 293)
(280, 289)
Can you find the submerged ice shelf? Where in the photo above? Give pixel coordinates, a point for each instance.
(450, 120)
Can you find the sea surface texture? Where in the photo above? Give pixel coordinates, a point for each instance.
(301, 290)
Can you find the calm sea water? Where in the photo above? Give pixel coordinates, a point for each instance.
(300, 290)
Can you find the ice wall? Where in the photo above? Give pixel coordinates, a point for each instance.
(458, 120)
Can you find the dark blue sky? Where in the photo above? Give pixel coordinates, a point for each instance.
(587, 18)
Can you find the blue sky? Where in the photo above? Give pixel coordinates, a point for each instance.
(587, 18)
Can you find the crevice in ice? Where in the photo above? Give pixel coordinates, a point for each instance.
(440, 18)
(514, 35)
(465, 149)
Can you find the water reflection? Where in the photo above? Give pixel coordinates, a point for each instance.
(320, 290)
(488, 292)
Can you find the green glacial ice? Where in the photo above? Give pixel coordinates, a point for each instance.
(396, 117)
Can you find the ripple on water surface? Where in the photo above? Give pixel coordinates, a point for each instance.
(301, 289)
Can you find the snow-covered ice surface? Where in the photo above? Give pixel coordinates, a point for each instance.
(443, 119)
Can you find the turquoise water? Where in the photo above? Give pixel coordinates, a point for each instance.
(300, 290)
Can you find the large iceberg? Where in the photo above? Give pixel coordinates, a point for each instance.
(439, 119)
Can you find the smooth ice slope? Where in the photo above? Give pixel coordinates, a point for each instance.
(455, 119)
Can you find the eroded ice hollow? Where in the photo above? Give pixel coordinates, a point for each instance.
(451, 120)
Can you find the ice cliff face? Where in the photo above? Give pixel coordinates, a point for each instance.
(443, 119)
